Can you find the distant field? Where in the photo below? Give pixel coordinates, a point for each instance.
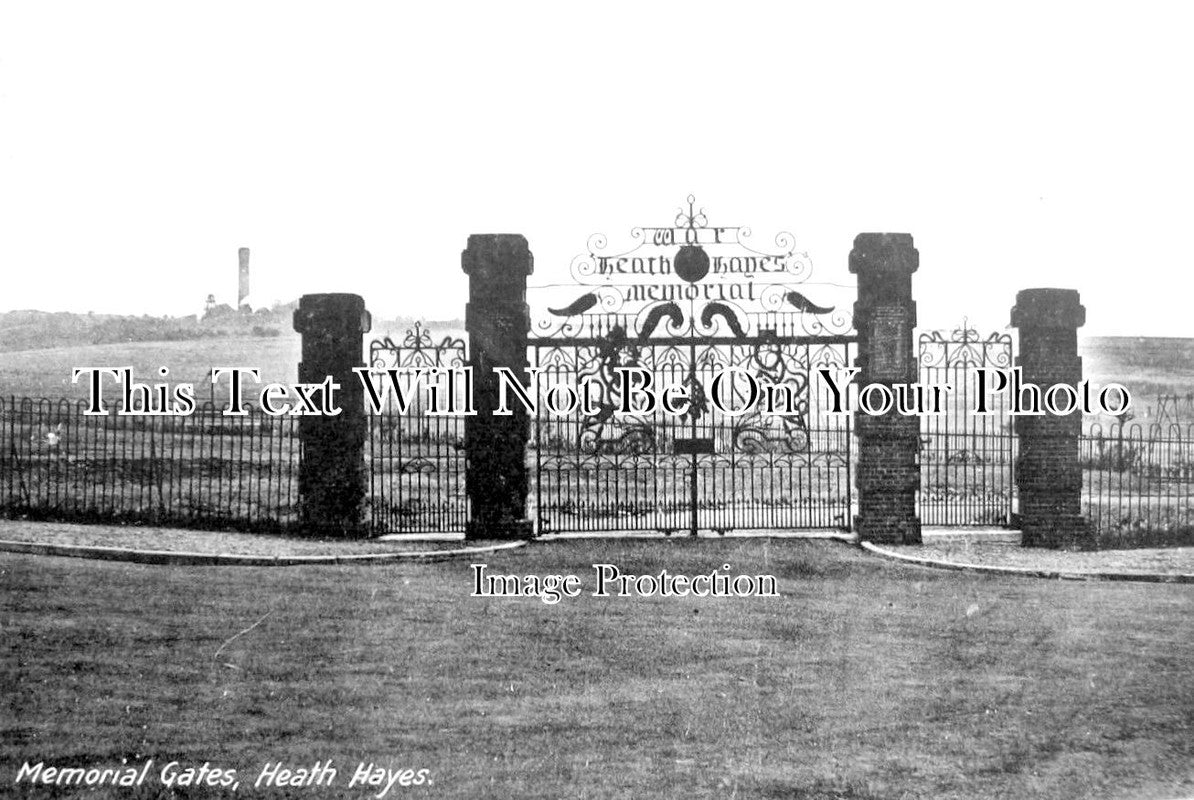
(1147, 366)
(47, 372)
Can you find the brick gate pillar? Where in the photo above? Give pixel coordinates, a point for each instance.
(888, 445)
(332, 475)
(1048, 472)
(498, 321)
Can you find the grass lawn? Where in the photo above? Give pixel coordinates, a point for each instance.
(864, 680)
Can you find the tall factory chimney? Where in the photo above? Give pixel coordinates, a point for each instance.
(242, 290)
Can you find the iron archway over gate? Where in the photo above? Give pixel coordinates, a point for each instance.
(685, 304)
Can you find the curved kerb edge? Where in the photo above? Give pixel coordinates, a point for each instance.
(226, 559)
(231, 560)
(1064, 575)
(182, 558)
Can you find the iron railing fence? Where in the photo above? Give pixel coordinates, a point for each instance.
(203, 470)
(208, 470)
(1138, 484)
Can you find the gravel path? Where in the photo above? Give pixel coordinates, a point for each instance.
(208, 542)
(1167, 560)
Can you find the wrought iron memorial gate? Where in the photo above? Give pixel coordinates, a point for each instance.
(703, 316)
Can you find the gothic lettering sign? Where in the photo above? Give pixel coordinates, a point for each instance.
(691, 278)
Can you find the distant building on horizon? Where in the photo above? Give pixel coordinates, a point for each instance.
(242, 287)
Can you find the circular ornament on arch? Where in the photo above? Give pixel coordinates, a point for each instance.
(692, 263)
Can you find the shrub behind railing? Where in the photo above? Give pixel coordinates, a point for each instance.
(1138, 484)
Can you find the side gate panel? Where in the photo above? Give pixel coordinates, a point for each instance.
(967, 459)
(416, 458)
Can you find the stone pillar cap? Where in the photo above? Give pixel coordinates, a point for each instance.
(1048, 308)
(883, 239)
(884, 251)
(344, 299)
(507, 249)
(333, 308)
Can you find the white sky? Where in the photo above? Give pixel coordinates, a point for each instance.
(353, 147)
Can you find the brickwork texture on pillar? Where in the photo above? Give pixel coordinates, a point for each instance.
(332, 472)
(1048, 469)
(888, 474)
(497, 321)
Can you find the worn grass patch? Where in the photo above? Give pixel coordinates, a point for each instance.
(864, 680)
